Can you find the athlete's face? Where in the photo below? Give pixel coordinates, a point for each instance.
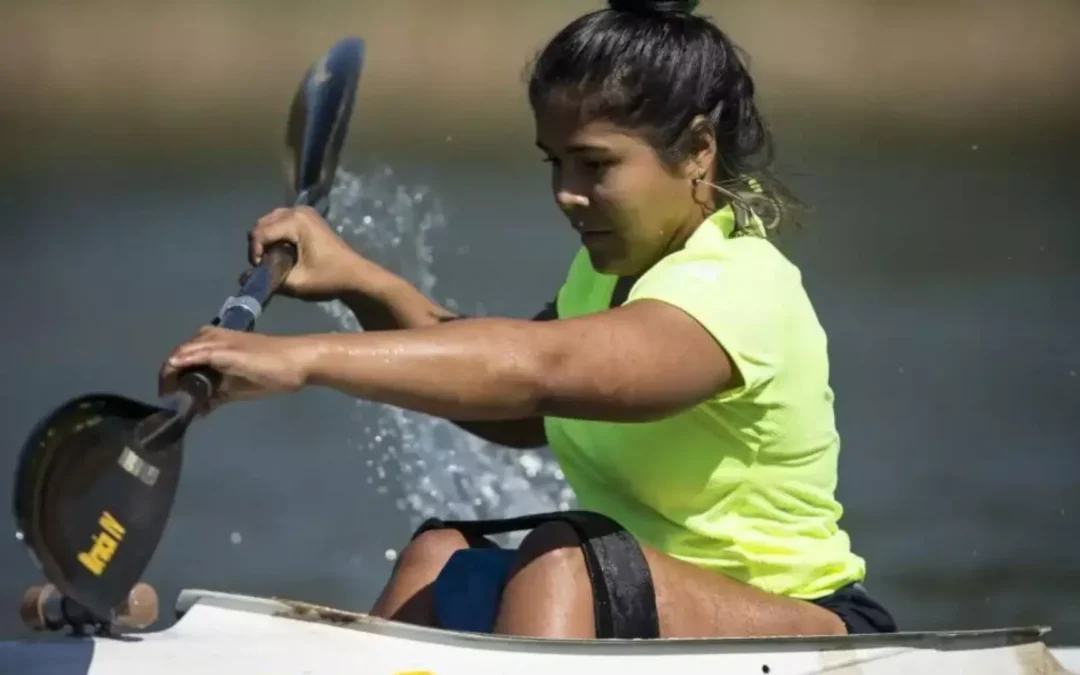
(629, 207)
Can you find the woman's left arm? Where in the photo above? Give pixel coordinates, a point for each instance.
(638, 362)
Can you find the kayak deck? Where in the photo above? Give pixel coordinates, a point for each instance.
(221, 632)
(303, 611)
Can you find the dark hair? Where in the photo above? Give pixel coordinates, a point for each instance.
(654, 67)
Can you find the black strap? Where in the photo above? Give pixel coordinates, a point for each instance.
(624, 598)
(622, 291)
(550, 312)
(619, 294)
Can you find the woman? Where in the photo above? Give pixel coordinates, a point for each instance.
(683, 389)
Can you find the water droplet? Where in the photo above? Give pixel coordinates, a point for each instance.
(435, 467)
(974, 147)
(236, 538)
(391, 555)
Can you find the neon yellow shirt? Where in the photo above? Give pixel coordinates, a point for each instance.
(742, 483)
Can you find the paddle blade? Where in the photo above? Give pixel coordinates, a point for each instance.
(319, 121)
(90, 503)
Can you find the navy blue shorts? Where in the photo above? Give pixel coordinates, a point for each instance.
(859, 612)
(468, 589)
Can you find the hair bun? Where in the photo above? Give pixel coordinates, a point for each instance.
(654, 6)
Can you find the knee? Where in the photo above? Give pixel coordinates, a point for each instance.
(431, 549)
(551, 549)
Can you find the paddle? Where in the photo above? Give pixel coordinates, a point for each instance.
(96, 479)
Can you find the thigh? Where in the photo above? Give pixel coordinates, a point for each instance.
(694, 602)
(408, 595)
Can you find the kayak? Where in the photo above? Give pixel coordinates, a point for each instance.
(227, 633)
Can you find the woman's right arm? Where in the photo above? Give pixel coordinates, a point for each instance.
(391, 303)
(328, 268)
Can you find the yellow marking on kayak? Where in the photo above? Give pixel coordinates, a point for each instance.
(105, 544)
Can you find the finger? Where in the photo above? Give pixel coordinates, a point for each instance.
(274, 215)
(219, 356)
(206, 333)
(206, 337)
(278, 225)
(166, 379)
(190, 356)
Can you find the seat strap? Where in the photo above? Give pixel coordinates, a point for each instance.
(624, 598)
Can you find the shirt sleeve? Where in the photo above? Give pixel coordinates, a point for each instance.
(740, 297)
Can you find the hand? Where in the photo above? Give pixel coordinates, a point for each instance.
(251, 365)
(326, 266)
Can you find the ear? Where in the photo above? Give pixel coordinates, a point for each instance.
(702, 158)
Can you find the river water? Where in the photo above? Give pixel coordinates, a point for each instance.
(948, 285)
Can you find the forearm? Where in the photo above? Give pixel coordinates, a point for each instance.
(383, 301)
(388, 302)
(477, 370)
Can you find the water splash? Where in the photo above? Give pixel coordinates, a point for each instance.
(435, 467)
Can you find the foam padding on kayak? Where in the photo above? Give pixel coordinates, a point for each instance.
(468, 589)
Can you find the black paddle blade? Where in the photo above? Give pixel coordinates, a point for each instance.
(90, 502)
(96, 479)
(318, 122)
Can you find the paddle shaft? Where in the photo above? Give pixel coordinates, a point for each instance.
(240, 312)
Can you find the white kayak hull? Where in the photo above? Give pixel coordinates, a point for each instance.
(224, 633)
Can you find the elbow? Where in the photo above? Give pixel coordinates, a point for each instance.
(536, 377)
(562, 384)
(552, 376)
(514, 380)
(536, 380)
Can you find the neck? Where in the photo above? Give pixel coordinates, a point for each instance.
(688, 227)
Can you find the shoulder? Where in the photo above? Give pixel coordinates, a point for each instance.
(724, 270)
(743, 291)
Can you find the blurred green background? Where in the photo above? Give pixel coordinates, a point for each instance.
(935, 140)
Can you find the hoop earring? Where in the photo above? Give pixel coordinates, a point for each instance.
(722, 190)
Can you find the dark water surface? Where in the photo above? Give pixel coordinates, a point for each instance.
(949, 287)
